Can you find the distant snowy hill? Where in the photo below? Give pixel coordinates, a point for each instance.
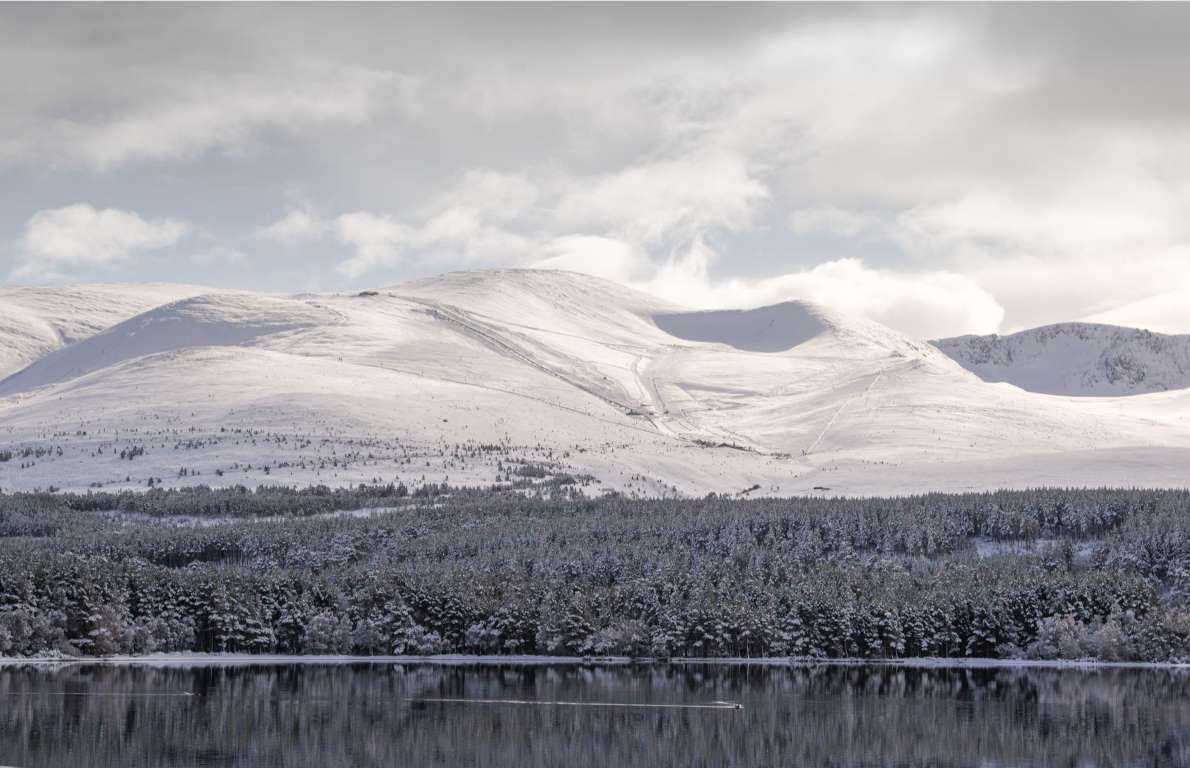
(1077, 359)
(478, 377)
(35, 321)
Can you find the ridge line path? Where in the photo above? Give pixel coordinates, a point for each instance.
(830, 423)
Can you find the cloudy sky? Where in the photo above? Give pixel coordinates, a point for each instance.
(943, 169)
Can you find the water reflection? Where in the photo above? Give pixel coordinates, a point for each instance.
(361, 715)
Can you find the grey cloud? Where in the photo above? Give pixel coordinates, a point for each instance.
(641, 129)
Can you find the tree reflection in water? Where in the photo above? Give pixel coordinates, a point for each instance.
(360, 715)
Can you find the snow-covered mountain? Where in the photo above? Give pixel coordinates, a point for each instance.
(35, 321)
(476, 376)
(1077, 359)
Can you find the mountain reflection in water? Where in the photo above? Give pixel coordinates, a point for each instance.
(366, 715)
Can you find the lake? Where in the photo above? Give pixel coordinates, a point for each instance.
(408, 714)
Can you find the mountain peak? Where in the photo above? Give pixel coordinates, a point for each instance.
(1077, 359)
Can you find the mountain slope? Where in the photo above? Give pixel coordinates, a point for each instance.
(209, 320)
(35, 321)
(471, 377)
(1077, 359)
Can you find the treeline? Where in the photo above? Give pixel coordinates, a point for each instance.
(1043, 574)
(237, 501)
(999, 514)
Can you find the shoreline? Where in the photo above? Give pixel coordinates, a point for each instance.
(274, 660)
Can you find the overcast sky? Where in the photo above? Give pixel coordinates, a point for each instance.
(943, 169)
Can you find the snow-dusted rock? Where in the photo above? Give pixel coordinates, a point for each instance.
(1077, 359)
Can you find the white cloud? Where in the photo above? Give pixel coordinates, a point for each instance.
(296, 226)
(461, 236)
(80, 236)
(499, 196)
(456, 227)
(1129, 214)
(925, 304)
(1078, 251)
(922, 304)
(672, 198)
(377, 241)
(453, 237)
(604, 257)
(1164, 312)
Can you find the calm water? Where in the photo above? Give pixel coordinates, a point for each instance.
(366, 715)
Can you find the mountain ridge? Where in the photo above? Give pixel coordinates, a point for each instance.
(1078, 359)
(466, 377)
(35, 321)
